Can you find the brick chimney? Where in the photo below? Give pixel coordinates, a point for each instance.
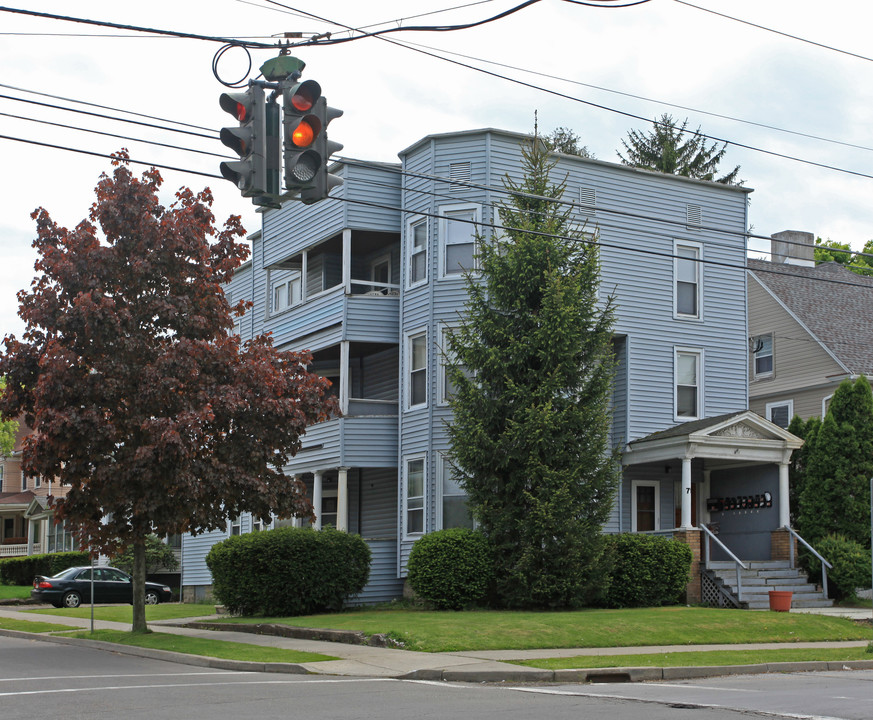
(793, 247)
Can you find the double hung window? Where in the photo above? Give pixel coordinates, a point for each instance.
(686, 274)
(414, 496)
(417, 252)
(458, 239)
(763, 349)
(687, 365)
(417, 370)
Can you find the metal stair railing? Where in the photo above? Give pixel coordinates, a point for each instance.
(824, 563)
(740, 565)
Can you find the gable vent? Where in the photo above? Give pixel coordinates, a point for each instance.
(460, 172)
(693, 216)
(588, 198)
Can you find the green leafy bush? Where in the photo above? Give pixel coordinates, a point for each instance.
(288, 571)
(851, 562)
(158, 555)
(452, 569)
(21, 570)
(646, 570)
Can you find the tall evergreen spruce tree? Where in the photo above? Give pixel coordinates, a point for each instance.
(837, 468)
(532, 367)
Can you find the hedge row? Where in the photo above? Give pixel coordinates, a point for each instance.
(22, 570)
(288, 571)
(453, 569)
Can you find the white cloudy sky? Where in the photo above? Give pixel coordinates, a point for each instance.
(664, 52)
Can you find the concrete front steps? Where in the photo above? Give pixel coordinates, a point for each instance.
(766, 575)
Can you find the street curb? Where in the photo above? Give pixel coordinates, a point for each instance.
(509, 675)
(166, 655)
(349, 637)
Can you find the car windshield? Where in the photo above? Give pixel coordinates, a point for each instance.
(65, 573)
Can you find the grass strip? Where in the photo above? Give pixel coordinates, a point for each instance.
(203, 646)
(15, 592)
(31, 626)
(433, 631)
(693, 659)
(124, 613)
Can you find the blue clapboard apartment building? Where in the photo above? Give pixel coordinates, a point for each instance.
(368, 283)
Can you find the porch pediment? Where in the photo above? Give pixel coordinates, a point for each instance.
(743, 437)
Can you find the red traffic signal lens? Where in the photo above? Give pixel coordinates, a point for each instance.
(240, 112)
(303, 135)
(306, 96)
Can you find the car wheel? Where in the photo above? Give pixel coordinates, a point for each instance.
(71, 599)
(151, 598)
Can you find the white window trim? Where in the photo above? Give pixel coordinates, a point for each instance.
(410, 240)
(645, 483)
(780, 403)
(405, 489)
(442, 233)
(760, 376)
(677, 350)
(699, 275)
(443, 465)
(234, 522)
(407, 369)
(272, 285)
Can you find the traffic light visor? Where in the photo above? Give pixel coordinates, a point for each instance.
(237, 104)
(305, 95)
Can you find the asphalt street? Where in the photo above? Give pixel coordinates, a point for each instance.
(47, 680)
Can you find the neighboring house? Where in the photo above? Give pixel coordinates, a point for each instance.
(370, 282)
(26, 526)
(810, 328)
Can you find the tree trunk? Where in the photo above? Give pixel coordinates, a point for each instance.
(139, 573)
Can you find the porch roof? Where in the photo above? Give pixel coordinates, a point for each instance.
(734, 438)
(10, 501)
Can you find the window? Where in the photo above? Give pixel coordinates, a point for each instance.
(447, 388)
(2, 473)
(258, 524)
(645, 505)
(236, 525)
(287, 293)
(329, 508)
(458, 239)
(780, 413)
(417, 252)
(762, 346)
(454, 512)
(414, 497)
(686, 273)
(688, 388)
(417, 372)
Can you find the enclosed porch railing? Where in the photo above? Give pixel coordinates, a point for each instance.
(18, 550)
(740, 565)
(824, 563)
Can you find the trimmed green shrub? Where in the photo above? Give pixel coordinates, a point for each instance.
(452, 569)
(646, 570)
(851, 562)
(22, 570)
(288, 571)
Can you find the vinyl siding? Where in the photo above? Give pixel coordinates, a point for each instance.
(802, 368)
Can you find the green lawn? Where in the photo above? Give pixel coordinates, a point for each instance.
(203, 646)
(685, 659)
(34, 627)
(498, 630)
(124, 613)
(9, 592)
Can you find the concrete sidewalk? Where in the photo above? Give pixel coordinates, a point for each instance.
(468, 666)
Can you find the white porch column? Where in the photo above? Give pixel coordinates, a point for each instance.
(347, 261)
(784, 506)
(342, 500)
(29, 534)
(317, 488)
(344, 377)
(686, 494)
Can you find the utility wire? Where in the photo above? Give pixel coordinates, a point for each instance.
(641, 97)
(113, 135)
(495, 226)
(598, 106)
(777, 32)
(104, 107)
(137, 28)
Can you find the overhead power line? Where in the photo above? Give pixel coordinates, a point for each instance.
(494, 226)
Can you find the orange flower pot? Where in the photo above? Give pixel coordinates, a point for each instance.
(780, 600)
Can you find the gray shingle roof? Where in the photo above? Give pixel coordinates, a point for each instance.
(833, 302)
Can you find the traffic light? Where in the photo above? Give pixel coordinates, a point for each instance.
(249, 141)
(301, 129)
(324, 180)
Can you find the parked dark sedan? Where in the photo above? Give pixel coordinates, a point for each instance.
(72, 587)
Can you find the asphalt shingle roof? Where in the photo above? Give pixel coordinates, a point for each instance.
(839, 313)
